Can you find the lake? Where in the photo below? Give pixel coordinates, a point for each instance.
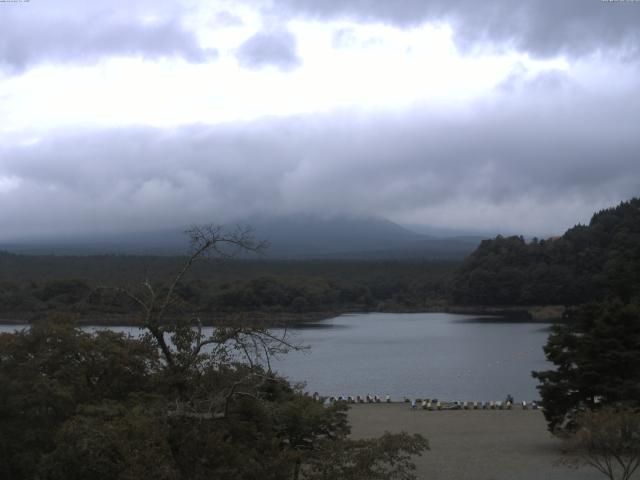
(426, 355)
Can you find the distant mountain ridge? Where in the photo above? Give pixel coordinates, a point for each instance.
(294, 236)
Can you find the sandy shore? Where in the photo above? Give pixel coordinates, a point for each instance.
(473, 444)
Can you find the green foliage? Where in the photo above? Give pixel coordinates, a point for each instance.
(107, 441)
(175, 404)
(385, 458)
(85, 285)
(597, 359)
(50, 370)
(105, 406)
(586, 263)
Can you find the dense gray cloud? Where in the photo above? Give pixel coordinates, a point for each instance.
(525, 162)
(541, 27)
(276, 48)
(35, 32)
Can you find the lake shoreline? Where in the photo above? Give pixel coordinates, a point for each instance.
(217, 319)
(428, 355)
(535, 313)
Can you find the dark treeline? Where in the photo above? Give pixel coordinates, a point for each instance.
(85, 285)
(588, 262)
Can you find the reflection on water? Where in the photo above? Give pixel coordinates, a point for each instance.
(432, 355)
(316, 326)
(491, 319)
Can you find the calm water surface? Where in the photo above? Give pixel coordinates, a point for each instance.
(432, 355)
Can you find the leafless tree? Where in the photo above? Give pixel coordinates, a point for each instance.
(608, 440)
(181, 339)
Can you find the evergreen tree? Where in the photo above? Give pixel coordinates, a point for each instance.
(597, 359)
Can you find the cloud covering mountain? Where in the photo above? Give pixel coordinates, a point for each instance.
(495, 116)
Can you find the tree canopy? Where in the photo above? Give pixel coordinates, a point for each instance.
(597, 360)
(586, 263)
(32, 286)
(174, 403)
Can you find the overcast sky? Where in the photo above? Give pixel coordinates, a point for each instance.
(495, 115)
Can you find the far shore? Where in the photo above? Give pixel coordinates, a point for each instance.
(535, 313)
(473, 444)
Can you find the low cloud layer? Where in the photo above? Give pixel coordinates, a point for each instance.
(338, 118)
(36, 32)
(542, 28)
(537, 167)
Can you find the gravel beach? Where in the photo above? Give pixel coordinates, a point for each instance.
(473, 444)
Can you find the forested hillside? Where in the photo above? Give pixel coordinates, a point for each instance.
(588, 262)
(31, 285)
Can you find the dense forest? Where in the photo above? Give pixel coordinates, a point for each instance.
(587, 262)
(89, 285)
